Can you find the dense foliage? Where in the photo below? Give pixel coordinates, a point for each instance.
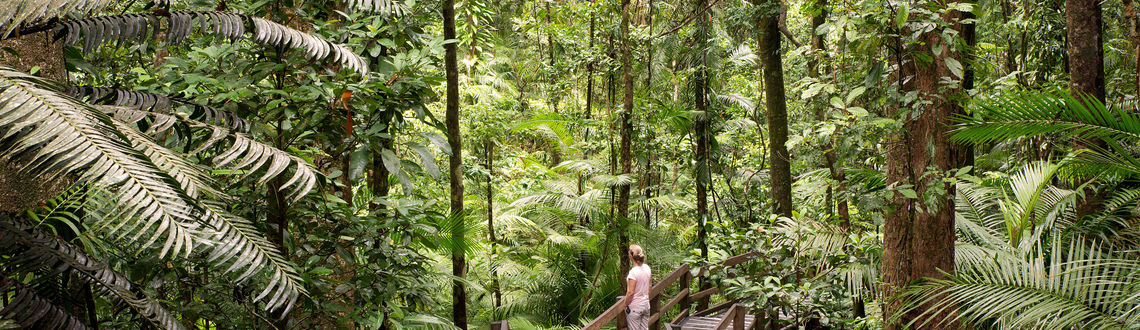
(285, 164)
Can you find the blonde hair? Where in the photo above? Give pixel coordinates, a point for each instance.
(637, 253)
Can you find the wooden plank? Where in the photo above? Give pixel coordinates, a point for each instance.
(704, 293)
(738, 319)
(660, 287)
(657, 315)
(717, 308)
(728, 317)
(607, 316)
(500, 325)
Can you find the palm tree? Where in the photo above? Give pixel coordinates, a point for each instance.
(1019, 266)
(144, 195)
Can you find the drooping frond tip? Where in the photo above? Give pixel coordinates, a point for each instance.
(94, 31)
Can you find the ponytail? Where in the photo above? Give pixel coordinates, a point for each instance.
(640, 257)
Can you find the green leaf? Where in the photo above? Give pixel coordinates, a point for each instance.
(909, 193)
(901, 16)
(427, 159)
(954, 66)
(357, 161)
(438, 141)
(837, 102)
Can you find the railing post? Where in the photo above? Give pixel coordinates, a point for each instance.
(621, 322)
(686, 283)
(500, 325)
(738, 319)
(654, 306)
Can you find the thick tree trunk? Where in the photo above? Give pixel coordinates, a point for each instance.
(1086, 70)
(1130, 15)
(20, 191)
(455, 162)
(700, 98)
(489, 146)
(626, 125)
(918, 238)
(769, 46)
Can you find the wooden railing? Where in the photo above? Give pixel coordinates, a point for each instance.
(683, 299)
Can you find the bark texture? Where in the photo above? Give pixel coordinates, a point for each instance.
(626, 125)
(455, 163)
(701, 127)
(21, 191)
(918, 237)
(769, 46)
(1086, 73)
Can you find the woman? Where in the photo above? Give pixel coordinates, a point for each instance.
(640, 278)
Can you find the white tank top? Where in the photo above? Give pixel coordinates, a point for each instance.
(644, 277)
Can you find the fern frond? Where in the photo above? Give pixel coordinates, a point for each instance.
(95, 31)
(57, 135)
(191, 178)
(37, 250)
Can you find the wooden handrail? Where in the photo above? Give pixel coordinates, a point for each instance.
(683, 298)
(676, 299)
(735, 316)
(607, 316)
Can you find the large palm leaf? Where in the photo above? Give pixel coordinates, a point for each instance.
(95, 31)
(1065, 285)
(30, 249)
(53, 134)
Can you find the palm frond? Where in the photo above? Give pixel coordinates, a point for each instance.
(95, 31)
(386, 7)
(1058, 287)
(242, 246)
(1030, 114)
(32, 311)
(58, 135)
(158, 103)
(15, 13)
(40, 251)
(243, 153)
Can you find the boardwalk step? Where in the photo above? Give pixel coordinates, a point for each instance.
(710, 322)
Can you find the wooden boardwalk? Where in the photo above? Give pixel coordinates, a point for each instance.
(727, 315)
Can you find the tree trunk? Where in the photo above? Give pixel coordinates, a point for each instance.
(701, 124)
(1086, 65)
(489, 146)
(918, 238)
(626, 157)
(20, 191)
(455, 162)
(1130, 15)
(781, 171)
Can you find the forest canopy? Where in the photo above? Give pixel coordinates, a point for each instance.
(392, 164)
